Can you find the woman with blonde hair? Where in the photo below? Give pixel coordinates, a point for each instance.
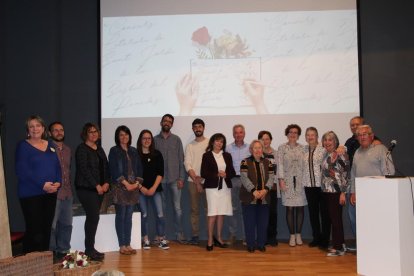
(39, 177)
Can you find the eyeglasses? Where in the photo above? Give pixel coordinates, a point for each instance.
(364, 134)
(92, 131)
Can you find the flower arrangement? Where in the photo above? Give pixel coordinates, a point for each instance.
(75, 259)
(227, 45)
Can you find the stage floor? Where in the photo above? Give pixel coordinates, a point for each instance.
(195, 260)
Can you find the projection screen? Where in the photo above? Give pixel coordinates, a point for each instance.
(264, 64)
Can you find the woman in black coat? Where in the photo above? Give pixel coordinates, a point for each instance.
(217, 171)
(92, 182)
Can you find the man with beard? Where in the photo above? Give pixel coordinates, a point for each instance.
(239, 150)
(192, 162)
(62, 223)
(172, 151)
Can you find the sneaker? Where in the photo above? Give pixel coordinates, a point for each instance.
(163, 244)
(351, 248)
(344, 248)
(335, 253)
(292, 240)
(299, 239)
(181, 239)
(194, 241)
(146, 245)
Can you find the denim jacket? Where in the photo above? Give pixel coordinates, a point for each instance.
(118, 163)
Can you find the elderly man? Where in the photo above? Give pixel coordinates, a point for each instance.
(239, 150)
(352, 144)
(370, 159)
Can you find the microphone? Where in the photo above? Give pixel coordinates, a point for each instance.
(393, 143)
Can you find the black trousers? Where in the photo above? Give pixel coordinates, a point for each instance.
(38, 212)
(272, 226)
(335, 214)
(91, 203)
(318, 215)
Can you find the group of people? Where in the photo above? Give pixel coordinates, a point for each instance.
(237, 180)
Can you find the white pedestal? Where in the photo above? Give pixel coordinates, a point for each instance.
(106, 239)
(385, 226)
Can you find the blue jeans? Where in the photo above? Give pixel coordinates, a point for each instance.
(235, 223)
(256, 218)
(172, 193)
(61, 231)
(351, 214)
(123, 223)
(156, 202)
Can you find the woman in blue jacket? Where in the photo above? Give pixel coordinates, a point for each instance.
(126, 173)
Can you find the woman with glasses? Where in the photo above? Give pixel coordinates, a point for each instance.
(274, 193)
(153, 165)
(290, 169)
(92, 182)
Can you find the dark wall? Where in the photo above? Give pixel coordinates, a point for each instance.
(49, 66)
(387, 63)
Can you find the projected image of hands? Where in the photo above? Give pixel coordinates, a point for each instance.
(187, 91)
(187, 94)
(255, 92)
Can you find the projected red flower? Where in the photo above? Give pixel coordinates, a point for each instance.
(201, 36)
(226, 45)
